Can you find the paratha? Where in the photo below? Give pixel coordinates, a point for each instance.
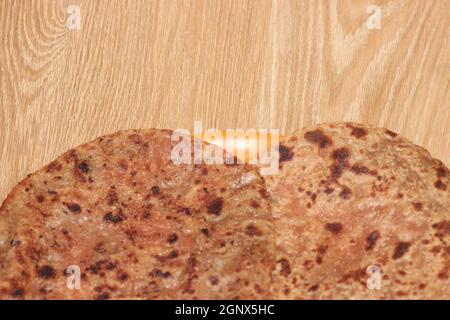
(136, 225)
(350, 201)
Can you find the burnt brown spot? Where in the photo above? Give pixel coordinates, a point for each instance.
(337, 170)
(308, 264)
(122, 276)
(401, 249)
(440, 185)
(100, 247)
(111, 218)
(285, 267)
(172, 238)
(14, 242)
(442, 228)
(314, 287)
(328, 190)
(131, 233)
(372, 240)
(46, 272)
(340, 157)
(172, 254)
(319, 138)
(96, 267)
(359, 169)
(215, 206)
(358, 132)
(252, 230)
(185, 211)
(191, 264)
(390, 133)
(321, 250)
(136, 138)
(40, 198)
(156, 190)
(334, 227)
(54, 166)
(401, 273)
(441, 171)
(358, 275)
(286, 153)
(123, 165)
(254, 204)
(74, 207)
(205, 231)
(443, 274)
(110, 265)
(345, 193)
(341, 154)
(263, 193)
(146, 214)
(214, 280)
(158, 273)
(417, 206)
(111, 197)
(34, 253)
(84, 166)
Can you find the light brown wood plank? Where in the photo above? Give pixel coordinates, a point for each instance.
(232, 64)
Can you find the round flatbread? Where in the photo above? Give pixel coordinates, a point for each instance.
(359, 213)
(354, 212)
(118, 213)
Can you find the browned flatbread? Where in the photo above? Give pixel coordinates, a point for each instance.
(137, 226)
(348, 197)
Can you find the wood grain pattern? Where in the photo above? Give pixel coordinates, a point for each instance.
(232, 64)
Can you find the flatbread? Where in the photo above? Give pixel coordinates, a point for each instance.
(136, 225)
(352, 203)
(354, 212)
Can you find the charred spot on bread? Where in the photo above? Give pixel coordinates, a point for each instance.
(112, 218)
(84, 166)
(440, 185)
(74, 207)
(359, 169)
(215, 206)
(334, 227)
(372, 240)
(156, 190)
(46, 272)
(390, 133)
(172, 238)
(319, 138)
(285, 153)
(285, 267)
(401, 248)
(341, 154)
(345, 192)
(251, 230)
(358, 132)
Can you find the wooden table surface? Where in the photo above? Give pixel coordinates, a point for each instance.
(231, 64)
